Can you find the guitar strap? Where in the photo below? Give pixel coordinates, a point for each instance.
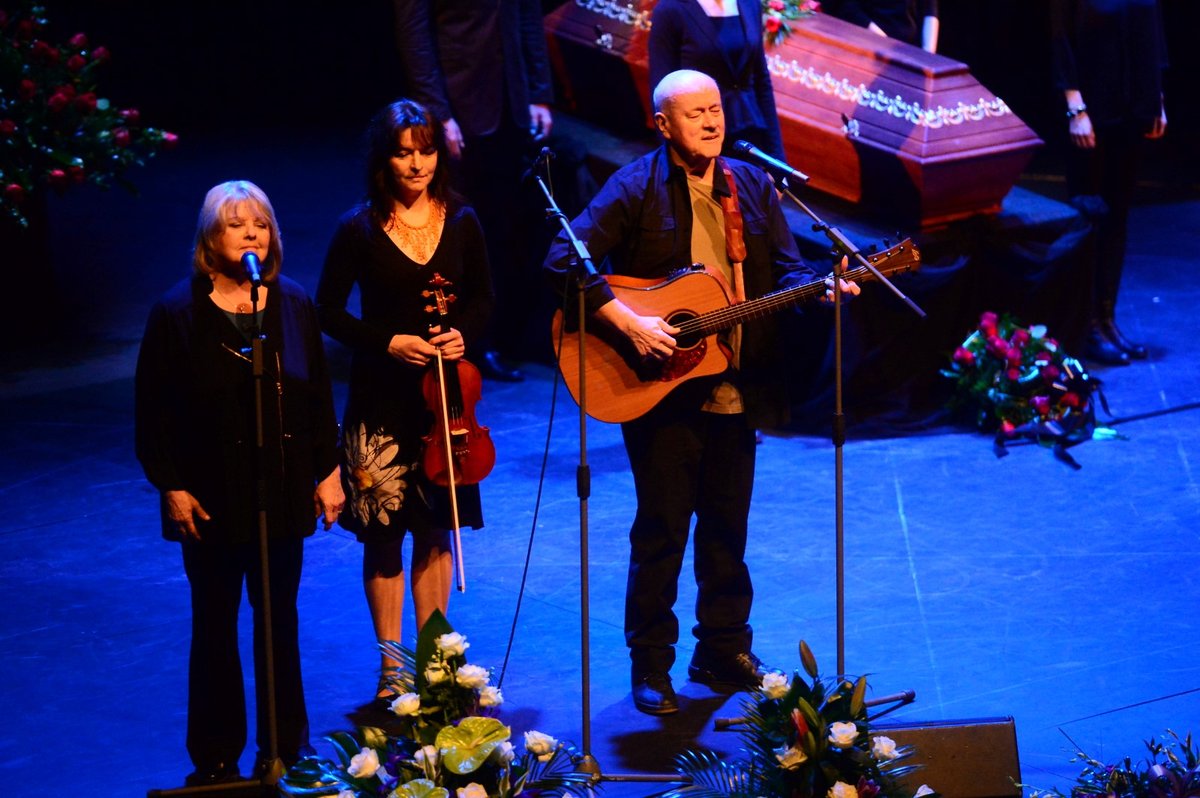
(735, 239)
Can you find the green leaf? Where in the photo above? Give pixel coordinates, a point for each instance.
(858, 696)
(468, 745)
(345, 745)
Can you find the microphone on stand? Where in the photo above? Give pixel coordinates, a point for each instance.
(253, 268)
(769, 162)
(542, 159)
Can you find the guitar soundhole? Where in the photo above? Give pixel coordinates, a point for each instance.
(689, 352)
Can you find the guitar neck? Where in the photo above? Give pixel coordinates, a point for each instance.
(727, 318)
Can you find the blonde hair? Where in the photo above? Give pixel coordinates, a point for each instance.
(214, 215)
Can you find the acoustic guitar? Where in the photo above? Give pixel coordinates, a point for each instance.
(623, 386)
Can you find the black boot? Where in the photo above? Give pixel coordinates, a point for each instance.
(1100, 349)
(1114, 334)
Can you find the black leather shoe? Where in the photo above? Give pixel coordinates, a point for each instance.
(1099, 349)
(219, 773)
(1113, 333)
(654, 695)
(742, 672)
(492, 366)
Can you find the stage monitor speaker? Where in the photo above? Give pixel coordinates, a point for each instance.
(961, 758)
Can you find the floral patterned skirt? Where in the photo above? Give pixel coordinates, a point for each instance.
(387, 494)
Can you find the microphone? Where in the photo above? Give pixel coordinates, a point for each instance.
(774, 164)
(541, 161)
(253, 268)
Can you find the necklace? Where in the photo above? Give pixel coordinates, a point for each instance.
(418, 241)
(231, 299)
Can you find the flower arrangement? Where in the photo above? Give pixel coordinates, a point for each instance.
(1172, 770)
(56, 131)
(805, 737)
(447, 742)
(777, 16)
(1017, 381)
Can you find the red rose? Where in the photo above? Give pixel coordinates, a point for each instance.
(964, 356)
(66, 89)
(78, 41)
(27, 89)
(1013, 374)
(15, 192)
(772, 24)
(1042, 358)
(7, 127)
(100, 55)
(57, 178)
(776, 5)
(998, 345)
(121, 137)
(1014, 356)
(25, 29)
(987, 323)
(1050, 373)
(130, 115)
(86, 102)
(1007, 428)
(1041, 404)
(77, 174)
(75, 63)
(169, 140)
(45, 53)
(1020, 337)
(1069, 399)
(58, 101)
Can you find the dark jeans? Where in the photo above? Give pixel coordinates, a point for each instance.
(683, 464)
(216, 730)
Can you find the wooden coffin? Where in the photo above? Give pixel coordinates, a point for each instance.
(601, 66)
(909, 135)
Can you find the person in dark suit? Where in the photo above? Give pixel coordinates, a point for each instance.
(722, 39)
(912, 21)
(480, 67)
(1109, 56)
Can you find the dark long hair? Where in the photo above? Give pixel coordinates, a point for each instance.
(382, 142)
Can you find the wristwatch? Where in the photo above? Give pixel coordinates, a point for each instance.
(1076, 111)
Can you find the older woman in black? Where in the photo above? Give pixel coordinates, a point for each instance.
(410, 228)
(195, 431)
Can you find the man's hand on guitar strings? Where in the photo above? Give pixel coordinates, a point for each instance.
(651, 336)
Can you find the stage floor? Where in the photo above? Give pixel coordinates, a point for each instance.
(991, 587)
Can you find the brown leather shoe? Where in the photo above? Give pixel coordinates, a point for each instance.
(743, 671)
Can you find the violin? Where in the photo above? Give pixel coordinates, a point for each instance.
(458, 450)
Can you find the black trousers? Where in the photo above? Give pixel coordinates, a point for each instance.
(684, 464)
(1107, 172)
(216, 731)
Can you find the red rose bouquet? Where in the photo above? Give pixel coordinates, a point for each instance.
(1018, 382)
(56, 130)
(778, 14)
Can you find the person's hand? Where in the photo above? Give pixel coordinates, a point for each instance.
(183, 510)
(849, 287)
(1160, 124)
(411, 349)
(328, 498)
(651, 336)
(540, 121)
(451, 343)
(1082, 134)
(454, 138)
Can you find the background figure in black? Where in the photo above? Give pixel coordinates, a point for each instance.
(480, 67)
(195, 428)
(722, 39)
(1109, 56)
(912, 21)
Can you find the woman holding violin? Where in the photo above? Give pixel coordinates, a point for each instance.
(418, 257)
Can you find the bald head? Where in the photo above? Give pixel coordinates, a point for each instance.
(680, 82)
(687, 111)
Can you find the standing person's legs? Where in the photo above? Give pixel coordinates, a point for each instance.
(216, 725)
(432, 568)
(384, 586)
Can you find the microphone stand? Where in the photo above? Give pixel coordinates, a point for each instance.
(844, 247)
(582, 267)
(271, 770)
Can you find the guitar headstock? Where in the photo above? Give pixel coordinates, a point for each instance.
(896, 259)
